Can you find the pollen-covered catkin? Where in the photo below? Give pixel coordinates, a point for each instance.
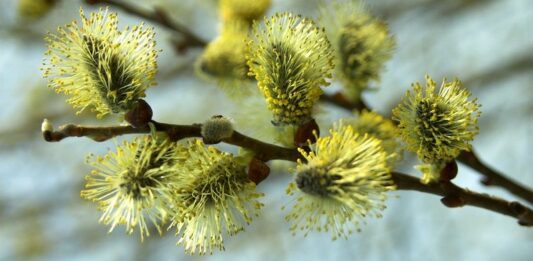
(132, 186)
(291, 58)
(362, 44)
(214, 199)
(375, 125)
(98, 66)
(344, 179)
(437, 124)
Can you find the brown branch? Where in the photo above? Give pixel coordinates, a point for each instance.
(454, 196)
(264, 151)
(340, 100)
(157, 16)
(97, 133)
(493, 177)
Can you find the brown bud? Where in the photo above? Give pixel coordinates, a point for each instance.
(341, 99)
(305, 133)
(486, 181)
(521, 213)
(139, 115)
(517, 208)
(523, 223)
(453, 201)
(258, 170)
(449, 171)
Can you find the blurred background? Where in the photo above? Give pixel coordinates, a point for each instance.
(488, 44)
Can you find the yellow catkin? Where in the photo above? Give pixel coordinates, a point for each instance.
(437, 124)
(34, 9)
(344, 179)
(384, 129)
(224, 59)
(132, 186)
(98, 66)
(362, 44)
(246, 10)
(214, 199)
(291, 58)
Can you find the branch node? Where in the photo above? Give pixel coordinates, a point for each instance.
(486, 181)
(524, 216)
(453, 201)
(517, 208)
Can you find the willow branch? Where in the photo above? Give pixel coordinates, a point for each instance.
(495, 178)
(454, 196)
(158, 16)
(492, 177)
(264, 151)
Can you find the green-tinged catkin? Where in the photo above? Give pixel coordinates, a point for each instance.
(214, 199)
(246, 10)
(437, 124)
(291, 58)
(362, 44)
(98, 66)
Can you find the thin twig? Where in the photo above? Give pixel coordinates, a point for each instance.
(454, 196)
(340, 100)
(158, 16)
(493, 177)
(264, 151)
